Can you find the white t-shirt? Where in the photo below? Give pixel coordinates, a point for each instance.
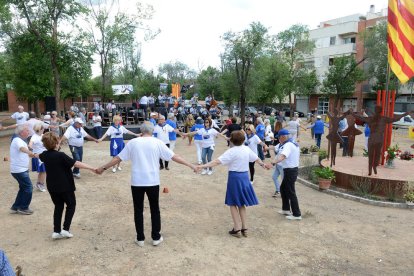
(32, 122)
(252, 142)
(20, 118)
(163, 132)
(292, 126)
(75, 136)
(113, 132)
(19, 161)
(144, 100)
(207, 137)
(37, 144)
(97, 120)
(237, 158)
(292, 154)
(145, 153)
(268, 133)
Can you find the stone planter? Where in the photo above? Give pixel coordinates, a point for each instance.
(410, 203)
(324, 184)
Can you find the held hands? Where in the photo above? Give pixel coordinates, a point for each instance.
(99, 170)
(268, 166)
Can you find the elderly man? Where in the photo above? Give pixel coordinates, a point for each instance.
(288, 158)
(75, 134)
(144, 153)
(19, 169)
(143, 104)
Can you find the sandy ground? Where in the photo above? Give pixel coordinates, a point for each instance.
(336, 236)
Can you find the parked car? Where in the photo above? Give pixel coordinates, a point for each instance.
(287, 112)
(268, 110)
(404, 122)
(250, 110)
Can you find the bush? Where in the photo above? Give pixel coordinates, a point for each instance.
(304, 150)
(322, 154)
(409, 193)
(314, 148)
(324, 172)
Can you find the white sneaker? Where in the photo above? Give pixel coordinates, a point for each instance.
(76, 175)
(42, 187)
(119, 169)
(285, 213)
(140, 243)
(252, 182)
(56, 236)
(157, 242)
(113, 169)
(66, 234)
(204, 171)
(294, 218)
(210, 172)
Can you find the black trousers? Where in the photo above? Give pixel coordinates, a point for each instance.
(60, 199)
(288, 192)
(251, 169)
(153, 194)
(165, 162)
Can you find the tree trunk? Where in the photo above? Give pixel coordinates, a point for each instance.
(242, 105)
(290, 105)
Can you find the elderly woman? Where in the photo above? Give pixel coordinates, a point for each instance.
(19, 169)
(60, 183)
(268, 136)
(240, 192)
(253, 142)
(37, 147)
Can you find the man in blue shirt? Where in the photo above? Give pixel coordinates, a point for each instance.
(318, 129)
(260, 131)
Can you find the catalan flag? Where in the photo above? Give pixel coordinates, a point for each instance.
(401, 38)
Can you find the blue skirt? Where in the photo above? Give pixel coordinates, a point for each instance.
(116, 146)
(38, 166)
(240, 191)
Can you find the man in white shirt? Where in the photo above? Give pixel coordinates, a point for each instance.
(19, 169)
(288, 158)
(75, 134)
(143, 104)
(144, 153)
(97, 124)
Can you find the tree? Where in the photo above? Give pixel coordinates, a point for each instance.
(43, 19)
(293, 45)
(176, 72)
(241, 52)
(208, 82)
(341, 78)
(112, 34)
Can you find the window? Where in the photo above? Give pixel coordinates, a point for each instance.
(323, 105)
(349, 40)
(332, 40)
(331, 61)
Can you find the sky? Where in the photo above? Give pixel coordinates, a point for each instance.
(191, 30)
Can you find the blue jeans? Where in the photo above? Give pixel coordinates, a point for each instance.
(260, 153)
(318, 140)
(5, 266)
(98, 132)
(278, 171)
(24, 195)
(77, 154)
(206, 155)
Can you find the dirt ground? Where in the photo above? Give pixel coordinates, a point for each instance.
(336, 236)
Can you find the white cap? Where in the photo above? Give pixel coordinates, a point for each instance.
(319, 117)
(78, 120)
(153, 114)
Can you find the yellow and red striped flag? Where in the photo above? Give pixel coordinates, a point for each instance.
(401, 38)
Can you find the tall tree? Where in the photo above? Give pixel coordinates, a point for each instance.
(176, 72)
(341, 78)
(112, 34)
(294, 45)
(44, 19)
(208, 82)
(241, 52)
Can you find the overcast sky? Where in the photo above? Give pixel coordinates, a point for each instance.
(191, 29)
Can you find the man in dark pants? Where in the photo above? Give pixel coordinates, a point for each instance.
(144, 154)
(289, 160)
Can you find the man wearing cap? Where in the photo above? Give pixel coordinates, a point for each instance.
(75, 134)
(288, 158)
(153, 116)
(318, 129)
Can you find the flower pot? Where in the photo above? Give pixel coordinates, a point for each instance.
(324, 184)
(389, 164)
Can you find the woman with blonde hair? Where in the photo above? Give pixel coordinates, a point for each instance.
(116, 131)
(253, 141)
(37, 147)
(188, 124)
(54, 123)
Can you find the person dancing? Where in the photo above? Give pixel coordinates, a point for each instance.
(240, 192)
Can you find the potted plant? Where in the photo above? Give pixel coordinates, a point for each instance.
(304, 150)
(313, 149)
(409, 195)
(406, 155)
(322, 154)
(325, 176)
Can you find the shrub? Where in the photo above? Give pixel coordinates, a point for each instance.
(304, 150)
(314, 148)
(324, 173)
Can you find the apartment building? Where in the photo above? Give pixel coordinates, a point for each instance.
(334, 38)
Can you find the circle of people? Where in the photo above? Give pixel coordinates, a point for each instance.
(150, 153)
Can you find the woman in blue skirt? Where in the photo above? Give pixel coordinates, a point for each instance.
(240, 192)
(116, 131)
